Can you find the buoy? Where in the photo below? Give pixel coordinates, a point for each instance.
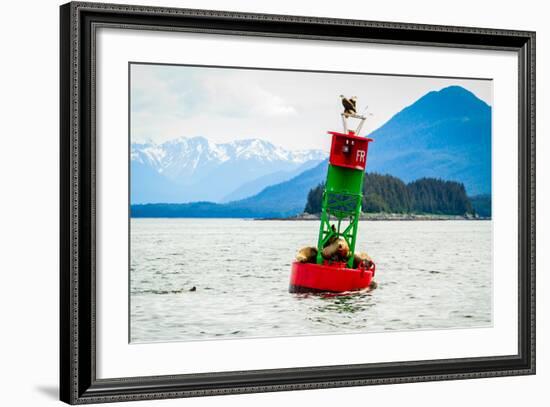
(335, 277)
(340, 212)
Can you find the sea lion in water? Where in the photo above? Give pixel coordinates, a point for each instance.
(362, 258)
(307, 255)
(337, 250)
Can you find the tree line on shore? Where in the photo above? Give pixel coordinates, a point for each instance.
(386, 193)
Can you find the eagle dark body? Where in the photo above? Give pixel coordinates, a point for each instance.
(349, 105)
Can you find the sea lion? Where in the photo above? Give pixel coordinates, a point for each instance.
(362, 258)
(337, 250)
(306, 255)
(193, 289)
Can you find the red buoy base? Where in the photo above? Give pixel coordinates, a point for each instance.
(334, 277)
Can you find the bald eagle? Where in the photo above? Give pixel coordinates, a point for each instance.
(349, 105)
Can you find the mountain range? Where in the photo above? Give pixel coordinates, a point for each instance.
(196, 169)
(445, 134)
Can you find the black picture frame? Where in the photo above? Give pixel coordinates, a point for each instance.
(78, 381)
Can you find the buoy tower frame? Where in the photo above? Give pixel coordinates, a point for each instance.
(343, 193)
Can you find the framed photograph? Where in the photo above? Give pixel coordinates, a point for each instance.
(254, 203)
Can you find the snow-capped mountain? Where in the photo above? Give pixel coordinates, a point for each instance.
(192, 169)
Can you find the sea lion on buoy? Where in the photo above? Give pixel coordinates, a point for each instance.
(362, 258)
(337, 250)
(306, 255)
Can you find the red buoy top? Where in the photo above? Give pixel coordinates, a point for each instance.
(349, 150)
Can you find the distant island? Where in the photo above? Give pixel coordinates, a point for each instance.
(386, 194)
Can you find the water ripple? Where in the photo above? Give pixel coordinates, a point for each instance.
(431, 275)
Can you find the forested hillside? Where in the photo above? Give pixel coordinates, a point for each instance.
(385, 193)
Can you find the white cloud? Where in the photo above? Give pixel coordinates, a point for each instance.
(237, 95)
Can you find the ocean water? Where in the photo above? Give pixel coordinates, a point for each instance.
(430, 275)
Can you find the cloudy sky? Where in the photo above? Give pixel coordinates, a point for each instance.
(290, 109)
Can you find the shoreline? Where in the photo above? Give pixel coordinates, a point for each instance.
(384, 217)
(364, 217)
